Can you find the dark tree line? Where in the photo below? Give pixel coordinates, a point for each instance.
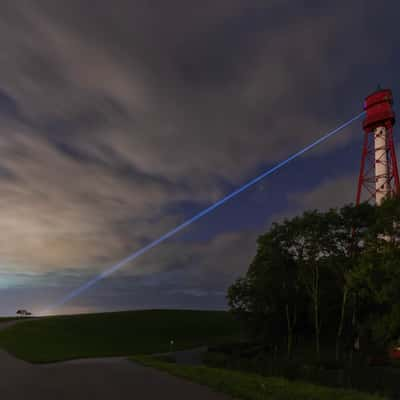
(334, 275)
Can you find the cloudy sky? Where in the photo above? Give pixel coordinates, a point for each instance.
(119, 120)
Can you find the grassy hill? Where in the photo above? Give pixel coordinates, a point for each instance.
(115, 334)
(7, 319)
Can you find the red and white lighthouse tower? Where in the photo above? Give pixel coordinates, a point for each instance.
(379, 176)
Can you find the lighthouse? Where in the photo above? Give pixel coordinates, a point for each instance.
(379, 176)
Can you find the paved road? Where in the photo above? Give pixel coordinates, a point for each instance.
(103, 378)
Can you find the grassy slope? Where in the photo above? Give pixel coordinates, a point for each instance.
(251, 386)
(113, 334)
(6, 319)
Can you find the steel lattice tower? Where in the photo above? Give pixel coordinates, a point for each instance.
(379, 176)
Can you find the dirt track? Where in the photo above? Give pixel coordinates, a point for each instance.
(109, 378)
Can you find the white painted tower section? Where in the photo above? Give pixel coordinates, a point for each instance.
(381, 165)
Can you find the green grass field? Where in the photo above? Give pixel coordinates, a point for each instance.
(247, 386)
(6, 319)
(116, 334)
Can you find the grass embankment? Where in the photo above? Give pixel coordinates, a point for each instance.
(7, 319)
(381, 378)
(116, 334)
(249, 386)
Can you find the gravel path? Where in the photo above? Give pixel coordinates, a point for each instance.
(103, 378)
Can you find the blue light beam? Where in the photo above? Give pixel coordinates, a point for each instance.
(201, 214)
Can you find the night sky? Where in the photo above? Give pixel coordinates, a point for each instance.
(120, 119)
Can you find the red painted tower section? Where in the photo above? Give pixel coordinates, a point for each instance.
(379, 175)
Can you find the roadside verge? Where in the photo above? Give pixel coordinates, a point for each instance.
(251, 386)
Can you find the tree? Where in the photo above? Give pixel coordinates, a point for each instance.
(343, 264)
(376, 277)
(285, 270)
(349, 229)
(280, 277)
(270, 290)
(312, 248)
(23, 312)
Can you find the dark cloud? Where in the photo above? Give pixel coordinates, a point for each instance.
(112, 115)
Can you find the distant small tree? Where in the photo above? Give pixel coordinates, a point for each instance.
(23, 313)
